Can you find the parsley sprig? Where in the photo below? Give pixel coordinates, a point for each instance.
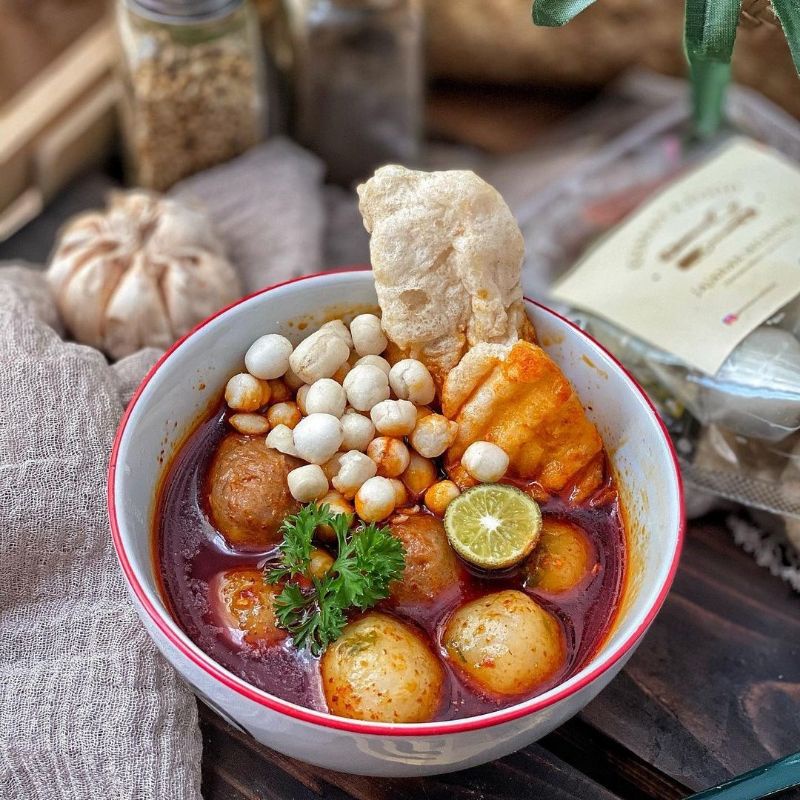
(368, 560)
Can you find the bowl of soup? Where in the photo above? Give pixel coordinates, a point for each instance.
(568, 616)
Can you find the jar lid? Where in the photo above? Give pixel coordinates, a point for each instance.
(183, 10)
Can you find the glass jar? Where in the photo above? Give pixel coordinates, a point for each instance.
(359, 83)
(193, 74)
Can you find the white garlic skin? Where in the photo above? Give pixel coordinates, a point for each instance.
(244, 392)
(368, 336)
(355, 469)
(485, 461)
(319, 356)
(268, 356)
(394, 417)
(307, 483)
(280, 438)
(376, 499)
(317, 437)
(411, 380)
(325, 396)
(375, 361)
(432, 435)
(366, 386)
(357, 431)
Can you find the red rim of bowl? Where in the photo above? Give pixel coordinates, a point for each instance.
(207, 664)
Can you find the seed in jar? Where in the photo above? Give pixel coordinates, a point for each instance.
(485, 461)
(375, 361)
(287, 414)
(368, 337)
(319, 356)
(249, 424)
(419, 474)
(366, 386)
(390, 455)
(317, 437)
(432, 435)
(307, 483)
(394, 417)
(410, 380)
(357, 431)
(325, 396)
(376, 499)
(244, 392)
(354, 470)
(268, 356)
(281, 438)
(440, 495)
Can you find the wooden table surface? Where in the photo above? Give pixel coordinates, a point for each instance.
(713, 690)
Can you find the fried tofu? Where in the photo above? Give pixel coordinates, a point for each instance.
(517, 397)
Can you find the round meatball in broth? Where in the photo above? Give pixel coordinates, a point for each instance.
(507, 643)
(381, 670)
(242, 603)
(431, 565)
(248, 495)
(562, 558)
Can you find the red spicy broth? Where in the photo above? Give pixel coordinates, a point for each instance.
(189, 551)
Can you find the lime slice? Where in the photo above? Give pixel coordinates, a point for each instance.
(493, 526)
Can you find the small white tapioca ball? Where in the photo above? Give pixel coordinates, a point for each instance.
(366, 386)
(375, 361)
(280, 438)
(394, 417)
(249, 424)
(319, 356)
(287, 414)
(268, 356)
(325, 396)
(368, 337)
(307, 483)
(317, 437)
(376, 499)
(354, 469)
(433, 434)
(245, 392)
(485, 461)
(340, 329)
(410, 380)
(390, 455)
(357, 431)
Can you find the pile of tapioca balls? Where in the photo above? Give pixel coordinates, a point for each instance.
(363, 427)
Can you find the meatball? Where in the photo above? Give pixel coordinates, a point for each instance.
(506, 642)
(247, 491)
(431, 565)
(562, 558)
(381, 670)
(242, 602)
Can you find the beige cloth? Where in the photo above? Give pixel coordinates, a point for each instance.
(89, 710)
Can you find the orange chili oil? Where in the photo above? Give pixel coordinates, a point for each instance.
(189, 552)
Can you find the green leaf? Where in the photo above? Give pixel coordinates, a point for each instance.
(711, 28)
(788, 13)
(555, 13)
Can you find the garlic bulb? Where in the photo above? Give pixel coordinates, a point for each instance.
(141, 273)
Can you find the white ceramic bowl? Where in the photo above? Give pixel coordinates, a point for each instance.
(193, 373)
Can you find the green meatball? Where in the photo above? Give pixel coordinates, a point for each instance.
(505, 642)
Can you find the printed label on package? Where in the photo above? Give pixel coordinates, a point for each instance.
(705, 262)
